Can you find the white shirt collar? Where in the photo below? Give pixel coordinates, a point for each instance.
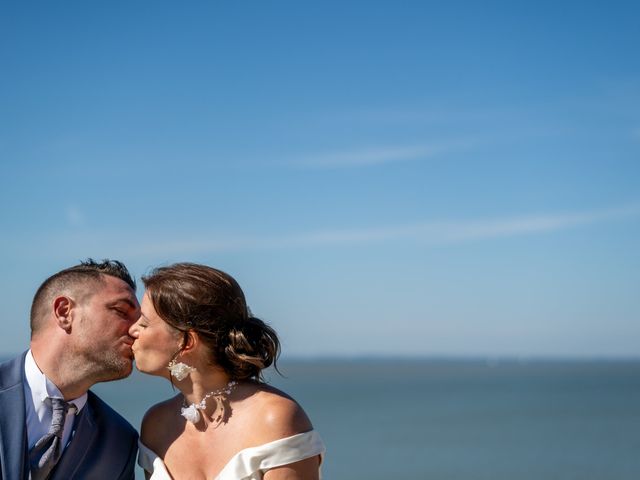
(42, 388)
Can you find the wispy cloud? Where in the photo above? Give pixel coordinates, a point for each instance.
(368, 156)
(80, 243)
(419, 116)
(429, 233)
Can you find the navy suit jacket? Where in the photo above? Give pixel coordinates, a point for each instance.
(103, 445)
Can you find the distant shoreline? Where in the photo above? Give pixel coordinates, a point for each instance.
(490, 360)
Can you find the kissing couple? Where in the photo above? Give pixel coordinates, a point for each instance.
(193, 328)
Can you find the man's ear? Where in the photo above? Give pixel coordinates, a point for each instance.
(62, 307)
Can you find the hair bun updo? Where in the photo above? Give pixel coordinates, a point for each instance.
(252, 346)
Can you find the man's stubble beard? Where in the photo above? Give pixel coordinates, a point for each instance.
(103, 363)
(110, 366)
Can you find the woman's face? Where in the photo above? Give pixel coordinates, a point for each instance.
(156, 342)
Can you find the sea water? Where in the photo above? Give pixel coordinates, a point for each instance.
(454, 419)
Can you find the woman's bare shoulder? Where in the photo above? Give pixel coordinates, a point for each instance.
(276, 415)
(157, 419)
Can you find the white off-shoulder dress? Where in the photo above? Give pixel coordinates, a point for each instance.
(250, 463)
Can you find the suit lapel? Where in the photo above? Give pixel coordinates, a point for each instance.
(84, 435)
(13, 430)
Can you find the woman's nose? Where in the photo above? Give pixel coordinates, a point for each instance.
(133, 330)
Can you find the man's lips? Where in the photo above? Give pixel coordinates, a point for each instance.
(129, 344)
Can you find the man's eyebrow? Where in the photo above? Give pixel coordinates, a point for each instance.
(123, 300)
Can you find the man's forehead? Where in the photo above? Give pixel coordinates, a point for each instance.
(115, 282)
(114, 290)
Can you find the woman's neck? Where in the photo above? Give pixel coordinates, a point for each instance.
(201, 383)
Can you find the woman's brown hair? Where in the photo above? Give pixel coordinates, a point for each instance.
(190, 296)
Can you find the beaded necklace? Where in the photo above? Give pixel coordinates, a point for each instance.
(192, 412)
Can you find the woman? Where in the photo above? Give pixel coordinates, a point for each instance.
(225, 424)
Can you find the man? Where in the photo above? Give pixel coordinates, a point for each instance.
(51, 425)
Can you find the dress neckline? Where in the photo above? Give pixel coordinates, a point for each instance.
(310, 439)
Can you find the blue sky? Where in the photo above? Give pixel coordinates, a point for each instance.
(386, 178)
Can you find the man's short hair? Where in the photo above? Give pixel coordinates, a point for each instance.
(88, 271)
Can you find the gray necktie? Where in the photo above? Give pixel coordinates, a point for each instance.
(46, 452)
